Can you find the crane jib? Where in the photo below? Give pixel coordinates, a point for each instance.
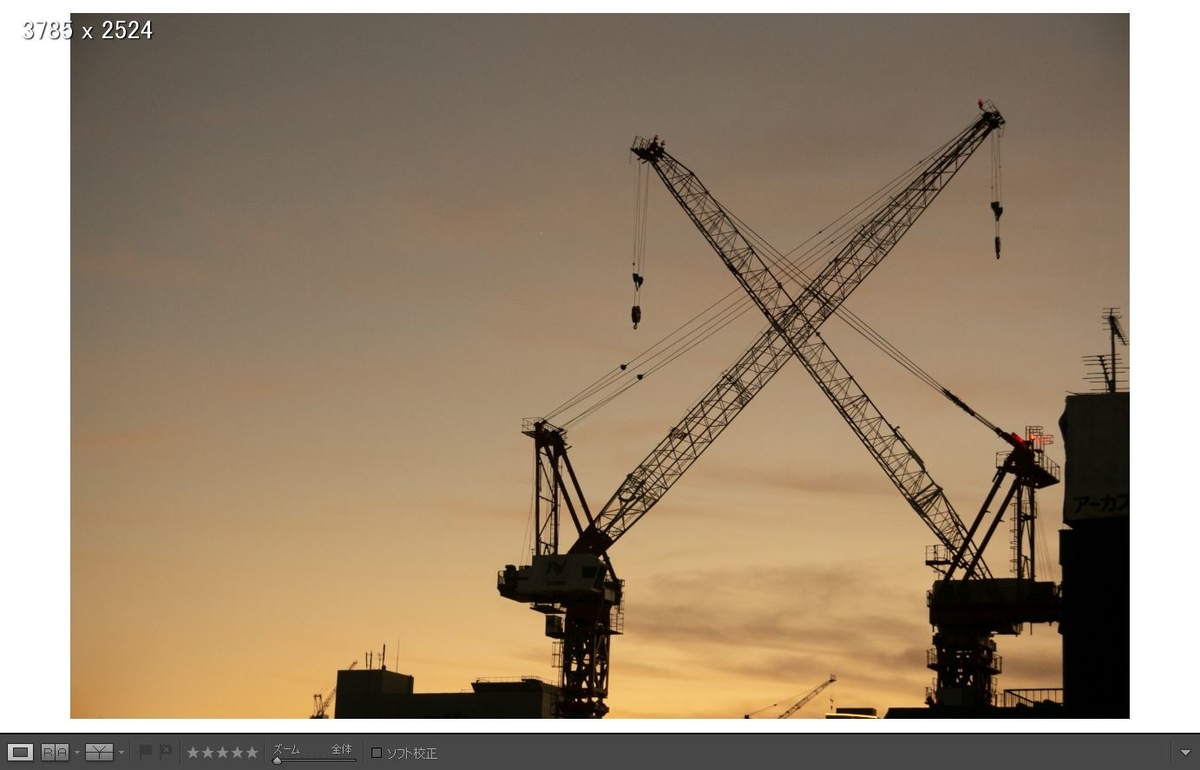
(580, 584)
(793, 320)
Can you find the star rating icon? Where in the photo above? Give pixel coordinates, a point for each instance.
(222, 753)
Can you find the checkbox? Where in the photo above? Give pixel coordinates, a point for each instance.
(376, 752)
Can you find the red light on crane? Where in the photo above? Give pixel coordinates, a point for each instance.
(1037, 438)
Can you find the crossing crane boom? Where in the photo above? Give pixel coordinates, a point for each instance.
(964, 657)
(796, 319)
(578, 590)
(820, 298)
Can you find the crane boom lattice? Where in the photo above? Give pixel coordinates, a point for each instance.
(578, 590)
(965, 658)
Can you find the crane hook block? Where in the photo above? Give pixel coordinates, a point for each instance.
(636, 315)
(638, 281)
(997, 209)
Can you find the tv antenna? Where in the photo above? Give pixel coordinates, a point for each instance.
(1111, 367)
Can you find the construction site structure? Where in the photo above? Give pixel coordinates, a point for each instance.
(968, 613)
(578, 589)
(968, 609)
(814, 692)
(321, 704)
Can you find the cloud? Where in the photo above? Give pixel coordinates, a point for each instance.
(770, 629)
(767, 631)
(776, 610)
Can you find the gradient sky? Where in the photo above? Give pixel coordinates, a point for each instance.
(321, 268)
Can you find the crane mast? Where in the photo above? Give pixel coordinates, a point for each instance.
(578, 590)
(585, 619)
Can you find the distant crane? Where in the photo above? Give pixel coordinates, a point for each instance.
(814, 692)
(321, 705)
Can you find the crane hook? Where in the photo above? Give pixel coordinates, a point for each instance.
(997, 209)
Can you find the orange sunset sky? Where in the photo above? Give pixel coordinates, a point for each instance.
(322, 266)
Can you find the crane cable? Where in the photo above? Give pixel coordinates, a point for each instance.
(698, 329)
(880, 342)
(997, 209)
(736, 303)
(788, 269)
(641, 209)
(789, 699)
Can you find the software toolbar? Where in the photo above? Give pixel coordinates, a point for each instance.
(603, 751)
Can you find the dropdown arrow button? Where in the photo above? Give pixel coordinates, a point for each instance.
(1185, 752)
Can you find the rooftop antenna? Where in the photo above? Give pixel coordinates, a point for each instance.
(1111, 367)
(1114, 333)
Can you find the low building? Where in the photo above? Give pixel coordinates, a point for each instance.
(383, 694)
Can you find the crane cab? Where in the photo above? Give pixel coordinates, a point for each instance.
(555, 578)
